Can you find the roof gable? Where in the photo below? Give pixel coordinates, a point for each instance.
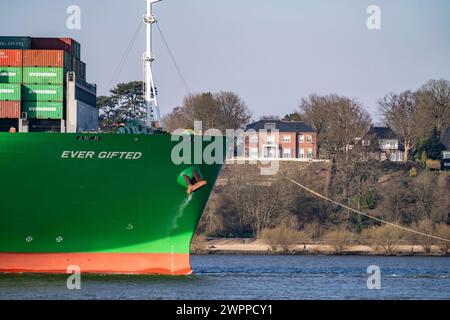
(383, 133)
(281, 126)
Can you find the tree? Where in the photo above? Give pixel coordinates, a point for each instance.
(223, 110)
(293, 117)
(130, 100)
(432, 147)
(126, 102)
(434, 97)
(233, 111)
(175, 120)
(108, 111)
(257, 201)
(339, 121)
(399, 113)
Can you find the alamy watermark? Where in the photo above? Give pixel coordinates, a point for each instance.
(374, 19)
(74, 280)
(73, 21)
(374, 280)
(232, 146)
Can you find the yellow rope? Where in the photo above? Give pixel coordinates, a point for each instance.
(365, 214)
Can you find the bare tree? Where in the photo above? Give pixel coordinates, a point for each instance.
(223, 110)
(434, 97)
(176, 120)
(201, 107)
(257, 201)
(233, 111)
(399, 113)
(339, 121)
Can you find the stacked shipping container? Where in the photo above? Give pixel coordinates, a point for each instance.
(33, 73)
(10, 82)
(43, 83)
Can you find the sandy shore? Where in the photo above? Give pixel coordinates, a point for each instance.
(254, 246)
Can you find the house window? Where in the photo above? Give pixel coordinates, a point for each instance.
(309, 139)
(253, 138)
(366, 143)
(270, 126)
(301, 154)
(270, 152)
(310, 153)
(287, 153)
(301, 138)
(286, 138)
(254, 153)
(271, 139)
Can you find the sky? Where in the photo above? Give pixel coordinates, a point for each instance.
(271, 53)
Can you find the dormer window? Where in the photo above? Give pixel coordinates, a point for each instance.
(270, 126)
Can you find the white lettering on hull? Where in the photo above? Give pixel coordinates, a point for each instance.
(101, 155)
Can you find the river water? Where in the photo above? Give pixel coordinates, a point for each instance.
(255, 277)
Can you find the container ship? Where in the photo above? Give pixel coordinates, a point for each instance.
(71, 195)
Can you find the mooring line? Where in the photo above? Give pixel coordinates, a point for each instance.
(365, 214)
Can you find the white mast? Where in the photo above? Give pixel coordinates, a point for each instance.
(153, 115)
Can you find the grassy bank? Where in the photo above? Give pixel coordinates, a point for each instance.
(205, 246)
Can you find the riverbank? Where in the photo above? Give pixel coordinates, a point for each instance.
(259, 247)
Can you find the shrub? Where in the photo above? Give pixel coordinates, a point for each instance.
(283, 237)
(386, 237)
(426, 227)
(433, 164)
(339, 239)
(443, 231)
(413, 172)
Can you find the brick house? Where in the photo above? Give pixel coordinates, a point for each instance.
(277, 139)
(384, 144)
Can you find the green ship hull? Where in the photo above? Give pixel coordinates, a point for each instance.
(105, 203)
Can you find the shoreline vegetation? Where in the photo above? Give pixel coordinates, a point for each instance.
(253, 214)
(250, 246)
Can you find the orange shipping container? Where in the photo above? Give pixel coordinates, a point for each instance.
(10, 58)
(44, 58)
(9, 109)
(67, 44)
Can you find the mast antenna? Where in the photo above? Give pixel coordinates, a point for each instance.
(151, 101)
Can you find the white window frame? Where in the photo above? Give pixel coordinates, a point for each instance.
(286, 154)
(301, 153)
(254, 153)
(253, 138)
(301, 138)
(309, 139)
(287, 138)
(271, 139)
(271, 147)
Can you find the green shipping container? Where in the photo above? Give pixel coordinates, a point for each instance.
(10, 92)
(43, 75)
(43, 110)
(22, 43)
(10, 75)
(42, 92)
